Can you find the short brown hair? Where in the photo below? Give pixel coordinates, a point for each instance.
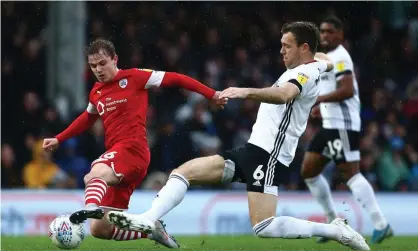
(304, 32)
(106, 46)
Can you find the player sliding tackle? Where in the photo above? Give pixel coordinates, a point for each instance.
(281, 119)
(120, 99)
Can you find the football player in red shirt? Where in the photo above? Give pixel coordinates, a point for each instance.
(120, 99)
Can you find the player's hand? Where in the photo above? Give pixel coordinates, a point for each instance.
(316, 112)
(220, 102)
(50, 144)
(319, 56)
(319, 100)
(234, 92)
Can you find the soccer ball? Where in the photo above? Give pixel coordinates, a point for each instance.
(64, 234)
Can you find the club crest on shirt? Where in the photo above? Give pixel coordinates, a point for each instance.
(123, 83)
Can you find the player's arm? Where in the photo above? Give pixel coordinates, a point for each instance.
(345, 84)
(80, 124)
(186, 82)
(276, 95)
(272, 95)
(168, 79)
(319, 56)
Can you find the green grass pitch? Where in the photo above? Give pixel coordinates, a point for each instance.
(204, 243)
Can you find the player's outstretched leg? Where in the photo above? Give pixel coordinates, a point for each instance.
(206, 170)
(364, 194)
(292, 228)
(313, 165)
(266, 225)
(97, 181)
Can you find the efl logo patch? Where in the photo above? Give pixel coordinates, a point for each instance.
(123, 83)
(340, 66)
(64, 234)
(65, 227)
(302, 78)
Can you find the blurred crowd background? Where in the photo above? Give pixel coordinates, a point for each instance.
(222, 45)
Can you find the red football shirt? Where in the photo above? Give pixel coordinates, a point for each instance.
(122, 104)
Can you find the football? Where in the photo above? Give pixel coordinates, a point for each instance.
(64, 234)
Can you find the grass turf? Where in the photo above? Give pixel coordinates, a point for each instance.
(204, 243)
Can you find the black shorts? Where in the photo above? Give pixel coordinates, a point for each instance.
(339, 145)
(254, 166)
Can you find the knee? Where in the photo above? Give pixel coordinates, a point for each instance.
(262, 234)
(348, 170)
(91, 176)
(99, 231)
(277, 227)
(306, 172)
(87, 178)
(313, 164)
(265, 228)
(101, 171)
(346, 175)
(310, 169)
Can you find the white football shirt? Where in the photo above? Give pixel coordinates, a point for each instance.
(278, 127)
(344, 114)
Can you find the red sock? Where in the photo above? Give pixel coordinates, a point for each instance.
(95, 190)
(125, 235)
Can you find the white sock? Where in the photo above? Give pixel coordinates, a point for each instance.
(292, 228)
(364, 194)
(168, 198)
(321, 191)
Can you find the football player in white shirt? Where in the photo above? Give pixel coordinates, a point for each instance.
(266, 156)
(339, 137)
